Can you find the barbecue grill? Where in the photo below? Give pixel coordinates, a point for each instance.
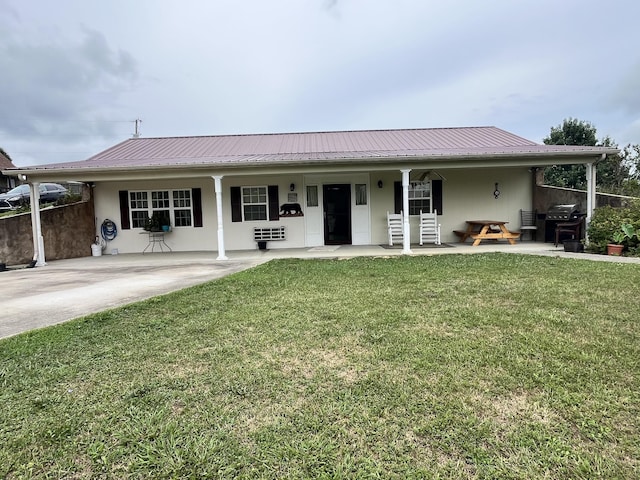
(563, 212)
(559, 214)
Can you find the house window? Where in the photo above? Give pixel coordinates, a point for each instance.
(312, 195)
(419, 197)
(254, 203)
(361, 194)
(182, 208)
(176, 204)
(425, 196)
(139, 208)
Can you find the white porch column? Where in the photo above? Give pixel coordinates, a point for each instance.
(217, 182)
(406, 227)
(591, 193)
(36, 225)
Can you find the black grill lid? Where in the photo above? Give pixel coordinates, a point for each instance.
(563, 212)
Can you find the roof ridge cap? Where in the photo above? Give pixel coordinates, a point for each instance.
(274, 134)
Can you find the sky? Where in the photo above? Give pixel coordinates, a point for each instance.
(76, 74)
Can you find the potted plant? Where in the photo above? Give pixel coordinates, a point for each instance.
(158, 222)
(626, 232)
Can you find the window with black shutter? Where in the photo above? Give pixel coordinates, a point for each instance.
(425, 196)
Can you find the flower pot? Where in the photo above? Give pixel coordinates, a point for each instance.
(574, 246)
(614, 249)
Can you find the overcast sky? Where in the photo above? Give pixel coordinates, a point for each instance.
(75, 74)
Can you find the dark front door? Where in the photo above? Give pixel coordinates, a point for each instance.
(337, 214)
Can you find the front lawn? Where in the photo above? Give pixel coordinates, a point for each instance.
(451, 366)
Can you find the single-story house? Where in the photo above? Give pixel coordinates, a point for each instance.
(311, 189)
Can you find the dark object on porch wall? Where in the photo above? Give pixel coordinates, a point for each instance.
(436, 196)
(291, 210)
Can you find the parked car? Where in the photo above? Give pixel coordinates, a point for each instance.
(20, 195)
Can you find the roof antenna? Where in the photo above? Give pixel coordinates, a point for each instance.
(137, 121)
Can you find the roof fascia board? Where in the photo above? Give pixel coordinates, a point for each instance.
(310, 166)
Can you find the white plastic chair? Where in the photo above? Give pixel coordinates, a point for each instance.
(429, 228)
(395, 228)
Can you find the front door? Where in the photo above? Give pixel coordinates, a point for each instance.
(337, 214)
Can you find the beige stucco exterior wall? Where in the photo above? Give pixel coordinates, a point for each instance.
(238, 235)
(467, 194)
(180, 239)
(470, 196)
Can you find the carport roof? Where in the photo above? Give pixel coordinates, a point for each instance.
(395, 146)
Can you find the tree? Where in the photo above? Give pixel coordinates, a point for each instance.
(613, 175)
(572, 132)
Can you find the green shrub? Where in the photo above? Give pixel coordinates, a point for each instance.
(607, 221)
(68, 199)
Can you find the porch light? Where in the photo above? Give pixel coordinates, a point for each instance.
(496, 192)
(292, 187)
(380, 183)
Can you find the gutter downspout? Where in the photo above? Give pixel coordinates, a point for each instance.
(217, 181)
(406, 227)
(36, 226)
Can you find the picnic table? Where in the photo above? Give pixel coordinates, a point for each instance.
(481, 230)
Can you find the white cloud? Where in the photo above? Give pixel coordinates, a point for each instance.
(80, 72)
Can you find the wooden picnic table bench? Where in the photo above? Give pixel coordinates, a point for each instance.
(480, 230)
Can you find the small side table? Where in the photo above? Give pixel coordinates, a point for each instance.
(156, 238)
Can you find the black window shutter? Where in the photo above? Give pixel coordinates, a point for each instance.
(196, 195)
(236, 204)
(397, 196)
(274, 203)
(436, 194)
(125, 222)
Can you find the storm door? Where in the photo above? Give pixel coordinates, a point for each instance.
(337, 214)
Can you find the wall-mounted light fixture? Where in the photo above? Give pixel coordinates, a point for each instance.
(292, 187)
(380, 184)
(496, 192)
(22, 177)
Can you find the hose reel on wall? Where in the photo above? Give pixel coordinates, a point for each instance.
(108, 231)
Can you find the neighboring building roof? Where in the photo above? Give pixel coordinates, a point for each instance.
(5, 161)
(291, 149)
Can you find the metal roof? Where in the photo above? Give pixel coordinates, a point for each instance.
(314, 147)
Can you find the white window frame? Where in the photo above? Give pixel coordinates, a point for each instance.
(416, 195)
(151, 202)
(245, 204)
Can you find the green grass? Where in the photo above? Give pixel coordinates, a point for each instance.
(444, 367)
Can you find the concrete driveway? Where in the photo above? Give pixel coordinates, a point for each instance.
(64, 289)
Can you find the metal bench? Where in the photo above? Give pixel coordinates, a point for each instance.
(264, 234)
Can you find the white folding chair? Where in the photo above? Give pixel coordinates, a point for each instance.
(429, 228)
